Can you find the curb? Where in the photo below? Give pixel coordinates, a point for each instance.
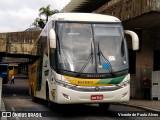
(141, 107)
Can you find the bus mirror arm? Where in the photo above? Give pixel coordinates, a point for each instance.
(135, 39)
(52, 38)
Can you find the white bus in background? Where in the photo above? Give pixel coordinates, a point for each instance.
(84, 60)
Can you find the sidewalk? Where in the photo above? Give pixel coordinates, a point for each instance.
(151, 105)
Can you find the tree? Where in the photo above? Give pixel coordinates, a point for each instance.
(46, 11)
(36, 22)
(41, 23)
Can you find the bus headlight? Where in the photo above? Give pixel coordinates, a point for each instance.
(64, 83)
(124, 84)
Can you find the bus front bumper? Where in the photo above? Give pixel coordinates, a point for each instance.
(68, 96)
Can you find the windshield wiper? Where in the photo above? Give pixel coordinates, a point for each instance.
(86, 62)
(106, 61)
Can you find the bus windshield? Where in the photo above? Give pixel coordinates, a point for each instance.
(91, 48)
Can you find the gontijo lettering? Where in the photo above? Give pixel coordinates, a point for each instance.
(85, 82)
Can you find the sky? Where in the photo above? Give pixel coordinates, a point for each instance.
(18, 15)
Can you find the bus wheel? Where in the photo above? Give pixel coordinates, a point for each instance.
(47, 98)
(104, 106)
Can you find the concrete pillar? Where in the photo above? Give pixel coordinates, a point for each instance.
(144, 62)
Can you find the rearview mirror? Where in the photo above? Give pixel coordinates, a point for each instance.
(135, 39)
(52, 38)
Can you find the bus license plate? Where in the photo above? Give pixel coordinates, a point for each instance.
(96, 97)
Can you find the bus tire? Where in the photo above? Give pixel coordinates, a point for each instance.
(104, 106)
(47, 97)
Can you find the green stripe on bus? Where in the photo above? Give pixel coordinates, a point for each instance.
(104, 81)
(116, 80)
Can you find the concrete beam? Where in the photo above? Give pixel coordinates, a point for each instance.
(83, 5)
(128, 9)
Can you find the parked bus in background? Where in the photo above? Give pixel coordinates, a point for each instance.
(84, 60)
(13, 69)
(4, 68)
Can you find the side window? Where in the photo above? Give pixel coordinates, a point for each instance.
(42, 46)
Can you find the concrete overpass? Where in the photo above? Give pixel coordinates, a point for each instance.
(15, 47)
(141, 16)
(129, 12)
(83, 5)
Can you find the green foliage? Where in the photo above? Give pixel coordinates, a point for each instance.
(41, 23)
(46, 11)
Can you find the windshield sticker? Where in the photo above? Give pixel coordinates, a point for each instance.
(111, 58)
(100, 66)
(106, 66)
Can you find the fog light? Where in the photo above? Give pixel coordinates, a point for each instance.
(124, 94)
(66, 96)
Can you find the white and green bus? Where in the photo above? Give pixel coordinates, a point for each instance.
(84, 59)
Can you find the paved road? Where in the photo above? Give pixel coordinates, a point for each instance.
(17, 99)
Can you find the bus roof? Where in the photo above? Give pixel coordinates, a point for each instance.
(89, 17)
